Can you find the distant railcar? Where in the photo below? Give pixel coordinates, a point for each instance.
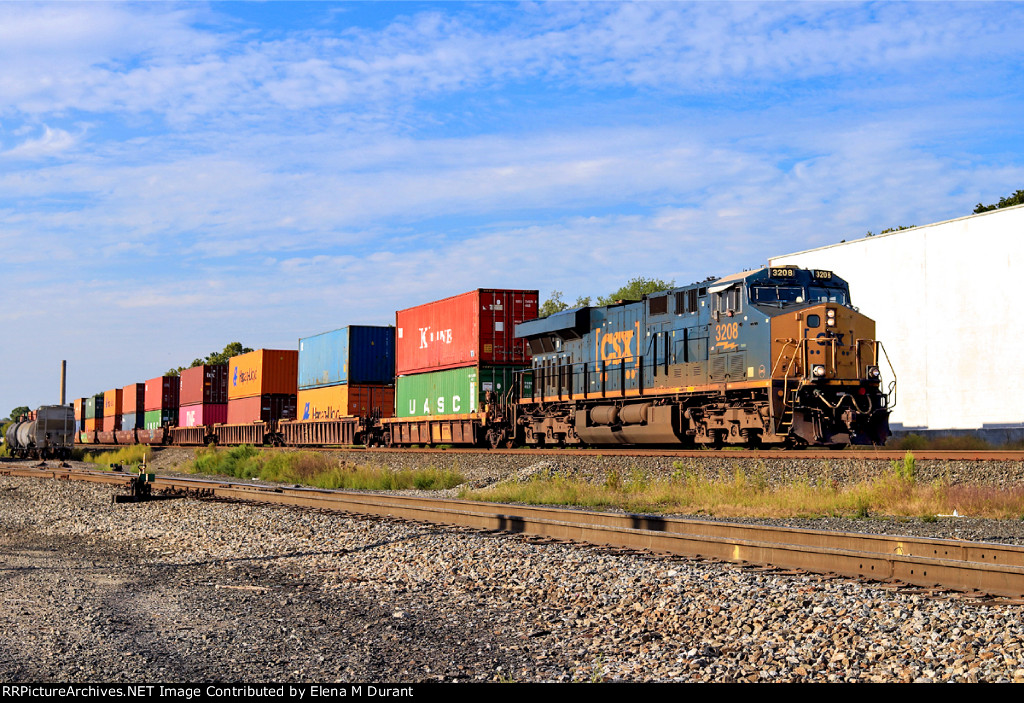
(50, 435)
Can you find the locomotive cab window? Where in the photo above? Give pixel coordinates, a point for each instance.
(776, 294)
(728, 300)
(819, 294)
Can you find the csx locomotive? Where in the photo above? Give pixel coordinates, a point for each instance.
(776, 356)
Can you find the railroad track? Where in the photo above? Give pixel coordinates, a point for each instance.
(981, 568)
(856, 454)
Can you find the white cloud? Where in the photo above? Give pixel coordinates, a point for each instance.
(51, 142)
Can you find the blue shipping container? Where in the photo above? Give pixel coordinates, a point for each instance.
(356, 354)
(132, 421)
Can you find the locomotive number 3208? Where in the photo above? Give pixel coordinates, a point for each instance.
(728, 332)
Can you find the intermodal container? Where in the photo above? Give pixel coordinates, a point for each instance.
(206, 385)
(357, 354)
(458, 391)
(92, 424)
(111, 423)
(132, 421)
(80, 409)
(269, 407)
(263, 372)
(477, 327)
(134, 399)
(202, 414)
(112, 402)
(333, 402)
(94, 407)
(161, 394)
(155, 419)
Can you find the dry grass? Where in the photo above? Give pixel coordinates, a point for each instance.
(315, 469)
(131, 455)
(748, 494)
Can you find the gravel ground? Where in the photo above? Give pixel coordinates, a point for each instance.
(195, 591)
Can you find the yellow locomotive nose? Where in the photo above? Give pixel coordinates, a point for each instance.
(825, 343)
(827, 376)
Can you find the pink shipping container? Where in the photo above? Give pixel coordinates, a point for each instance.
(162, 393)
(202, 414)
(478, 327)
(261, 408)
(134, 399)
(204, 384)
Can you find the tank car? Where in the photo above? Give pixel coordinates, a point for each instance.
(776, 356)
(50, 435)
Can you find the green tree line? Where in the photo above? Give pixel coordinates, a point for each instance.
(634, 289)
(221, 357)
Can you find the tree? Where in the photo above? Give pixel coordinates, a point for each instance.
(213, 358)
(636, 289)
(18, 412)
(554, 304)
(1015, 199)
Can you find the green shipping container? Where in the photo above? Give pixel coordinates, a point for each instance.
(155, 419)
(94, 407)
(451, 392)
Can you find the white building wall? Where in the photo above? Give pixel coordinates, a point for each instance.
(946, 300)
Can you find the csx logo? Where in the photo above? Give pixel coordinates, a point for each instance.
(616, 347)
(427, 336)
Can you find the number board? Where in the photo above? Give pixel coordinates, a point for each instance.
(820, 275)
(782, 273)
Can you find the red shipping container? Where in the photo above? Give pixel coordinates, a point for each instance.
(478, 327)
(202, 414)
(162, 393)
(207, 385)
(261, 408)
(134, 399)
(263, 372)
(111, 423)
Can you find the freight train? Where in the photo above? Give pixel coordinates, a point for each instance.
(776, 356)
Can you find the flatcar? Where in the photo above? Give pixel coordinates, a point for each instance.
(777, 356)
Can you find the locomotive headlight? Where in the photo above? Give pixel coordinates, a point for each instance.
(830, 313)
(830, 317)
(818, 370)
(873, 373)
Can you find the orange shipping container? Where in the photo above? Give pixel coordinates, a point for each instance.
(333, 402)
(92, 424)
(263, 372)
(112, 402)
(133, 399)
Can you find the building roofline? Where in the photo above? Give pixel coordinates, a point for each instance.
(898, 232)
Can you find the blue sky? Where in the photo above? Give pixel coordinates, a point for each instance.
(174, 177)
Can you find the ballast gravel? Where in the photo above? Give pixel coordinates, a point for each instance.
(183, 590)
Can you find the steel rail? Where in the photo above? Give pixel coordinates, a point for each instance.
(994, 569)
